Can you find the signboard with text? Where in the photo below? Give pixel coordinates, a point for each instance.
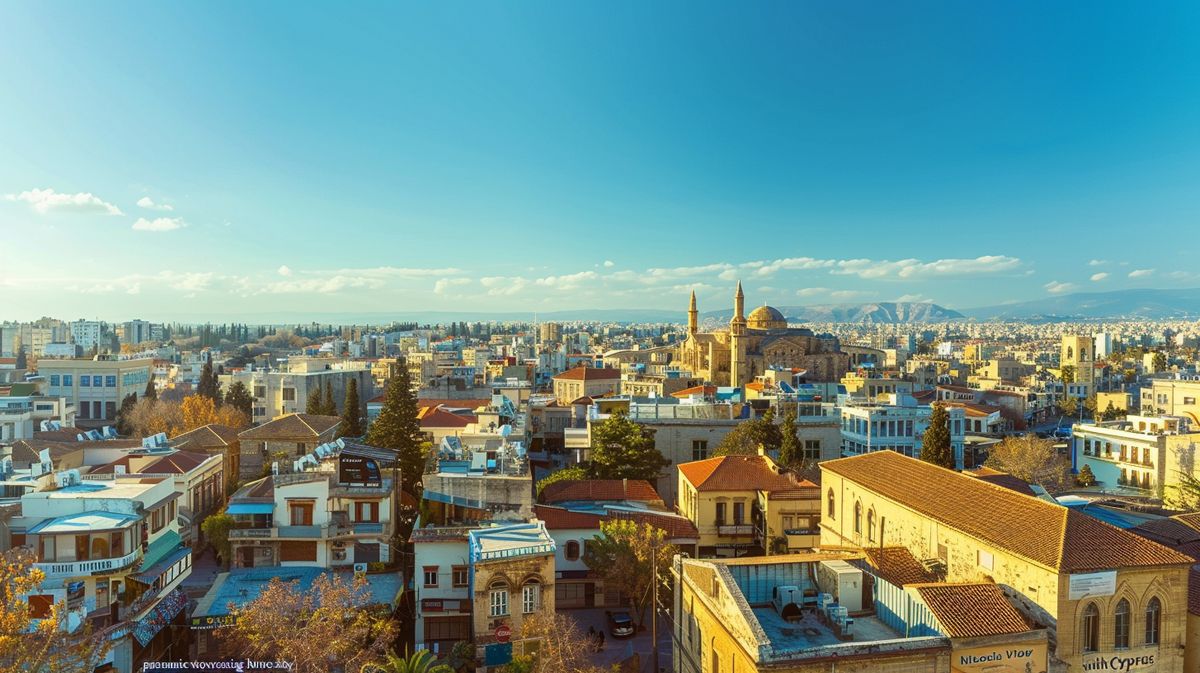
(1123, 661)
(1092, 584)
(358, 471)
(1019, 657)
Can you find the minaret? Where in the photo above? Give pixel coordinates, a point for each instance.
(693, 315)
(737, 345)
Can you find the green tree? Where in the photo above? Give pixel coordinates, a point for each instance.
(1184, 494)
(328, 406)
(124, 420)
(421, 661)
(935, 444)
(151, 392)
(791, 452)
(22, 361)
(351, 425)
(573, 473)
(208, 386)
(1086, 477)
(626, 555)
(398, 429)
(1032, 460)
(313, 403)
(622, 449)
(1067, 374)
(1159, 362)
(746, 437)
(1068, 405)
(239, 398)
(216, 529)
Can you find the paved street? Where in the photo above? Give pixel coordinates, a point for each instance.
(617, 650)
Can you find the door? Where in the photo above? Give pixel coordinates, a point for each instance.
(246, 554)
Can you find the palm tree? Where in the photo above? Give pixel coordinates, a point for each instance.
(421, 661)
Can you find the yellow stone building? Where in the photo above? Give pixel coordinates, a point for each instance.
(754, 343)
(1110, 599)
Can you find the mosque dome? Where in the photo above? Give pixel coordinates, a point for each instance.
(766, 317)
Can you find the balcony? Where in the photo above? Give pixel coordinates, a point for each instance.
(735, 530)
(91, 567)
(288, 532)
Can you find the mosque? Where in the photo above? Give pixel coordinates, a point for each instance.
(754, 343)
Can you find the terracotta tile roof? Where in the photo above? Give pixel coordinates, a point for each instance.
(213, 434)
(898, 566)
(560, 518)
(745, 473)
(64, 435)
(1174, 532)
(924, 396)
(471, 403)
(600, 489)
(180, 462)
(755, 385)
(695, 390)
(1042, 532)
(586, 373)
(971, 409)
(1001, 479)
(435, 417)
(293, 426)
(970, 610)
(1194, 591)
(676, 527)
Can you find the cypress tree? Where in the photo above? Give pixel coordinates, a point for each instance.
(314, 404)
(935, 445)
(151, 392)
(791, 453)
(351, 425)
(328, 406)
(398, 429)
(22, 362)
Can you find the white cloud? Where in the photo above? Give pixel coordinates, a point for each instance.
(284, 270)
(1055, 287)
(568, 281)
(915, 268)
(1140, 273)
(849, 294)
(608, 264)
(767, 269)
(444, 284)
(47, 200)
(911, 297)
(811, 291)
(149, 204)
(503, 285)
(1098, 262)
(1097, 277)
(159, 224)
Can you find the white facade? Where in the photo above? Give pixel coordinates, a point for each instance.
(86, 333)
(893, 427)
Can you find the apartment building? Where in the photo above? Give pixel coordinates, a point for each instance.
(111, 552)
(278, 393)
(898, 425)
(95, 387)
(586, 382)
(1142, 455)
(87, 333)
(22, 415)
(1172, 397)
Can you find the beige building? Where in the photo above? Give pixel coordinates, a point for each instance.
(278, 393)
(748, 505)
(1173, 397)
(293, 435)
(1102, 593)
(586, 382)
(1078, 353)
(95, 386)
(754, 343)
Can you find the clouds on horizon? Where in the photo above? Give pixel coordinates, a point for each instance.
(45, 201)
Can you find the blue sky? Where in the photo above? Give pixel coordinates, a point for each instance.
(537, 156)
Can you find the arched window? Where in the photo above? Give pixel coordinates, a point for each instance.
(830, 498)
(571, 552)
(1153, 620)
(531, 596)
(498, 599)
(858, 518)
(871, 524)
(1091, 628)
(1121, 625)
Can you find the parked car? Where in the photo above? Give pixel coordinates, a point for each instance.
(620, 624)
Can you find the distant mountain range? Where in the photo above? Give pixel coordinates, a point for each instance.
(876, 313)
(1137, 304)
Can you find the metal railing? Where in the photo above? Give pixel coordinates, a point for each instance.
(78, 568)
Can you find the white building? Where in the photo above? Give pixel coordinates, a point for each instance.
(896, 426)
(86, 333)
(1141, 455)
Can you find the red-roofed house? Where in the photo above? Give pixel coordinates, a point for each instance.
(748, 504)
(586, 381)
(438, 423)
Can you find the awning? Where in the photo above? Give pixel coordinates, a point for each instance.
(152, 573)
(250, 508)
(167, 543)
(159, 616)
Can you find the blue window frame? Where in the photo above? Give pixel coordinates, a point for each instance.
(97, 381)
(54, 379)
(110, 382)
(85, 381)
(67, 379)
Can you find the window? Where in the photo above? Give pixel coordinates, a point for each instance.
(54, 379)
(720, 514)
(739, 513)
(97, 381)
(1189, 400)
(458, 576)
(289, 394)
(531, 597)
(1153, 620)
(67, 379)
(858, 518)
(699, 449)
(301, 512)
(812, 449)
(85, 381)
(260, 392)
(110, 382)
(829, 506)
(431, 576)
(498, 600)
(1091, 628)
(571, 551)
(716, 661)
(1121, 625)
(871, 525)
(986, 560)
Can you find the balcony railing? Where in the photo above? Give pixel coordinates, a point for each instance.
(91, 567)
(735, 529)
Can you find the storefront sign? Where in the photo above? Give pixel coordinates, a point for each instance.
(1127, 661)
(1021, 657)
(1093, 584)
(216, 622)
(432, 605)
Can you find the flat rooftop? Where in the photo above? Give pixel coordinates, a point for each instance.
(241, 586)
(808, 633)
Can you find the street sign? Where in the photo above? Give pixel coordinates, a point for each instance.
(503, 633)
